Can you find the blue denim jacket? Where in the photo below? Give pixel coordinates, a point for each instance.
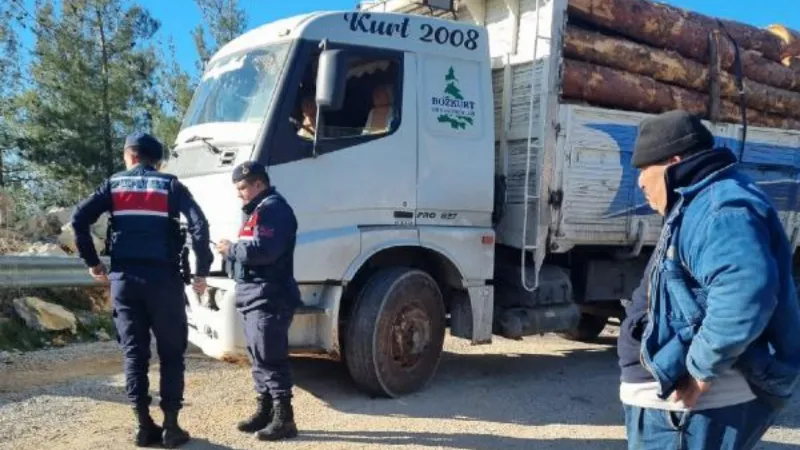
(721, 294)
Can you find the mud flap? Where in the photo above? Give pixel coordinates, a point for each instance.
(471, 314)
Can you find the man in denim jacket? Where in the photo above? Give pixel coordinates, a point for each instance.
(718, 314)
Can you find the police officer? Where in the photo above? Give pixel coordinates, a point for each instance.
(146, 283)
(262, 263)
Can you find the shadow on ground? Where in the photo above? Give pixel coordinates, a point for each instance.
(528, 389)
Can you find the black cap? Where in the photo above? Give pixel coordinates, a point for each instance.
(146, 145)
(249, 168)
(669, 134)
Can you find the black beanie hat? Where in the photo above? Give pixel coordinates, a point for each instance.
(669, 134)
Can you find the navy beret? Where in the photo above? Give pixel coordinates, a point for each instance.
(248, 168)
(147, 145)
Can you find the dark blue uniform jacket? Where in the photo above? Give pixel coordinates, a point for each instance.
(145, 206)
(262, 261)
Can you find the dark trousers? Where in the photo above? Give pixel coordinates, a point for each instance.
(266, 330)
(146, 299)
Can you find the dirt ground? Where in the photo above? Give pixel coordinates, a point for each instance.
(539, 393)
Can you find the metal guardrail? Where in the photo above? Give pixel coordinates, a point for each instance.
(44, 271)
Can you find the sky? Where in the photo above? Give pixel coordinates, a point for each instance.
(179, 17)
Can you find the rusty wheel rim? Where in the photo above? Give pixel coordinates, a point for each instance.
(410, 336)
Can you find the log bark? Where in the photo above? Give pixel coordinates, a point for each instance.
(762, 70)
(673, 28)
(604, 86)
(670, 67)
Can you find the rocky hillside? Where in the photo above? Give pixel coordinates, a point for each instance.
(32, 318)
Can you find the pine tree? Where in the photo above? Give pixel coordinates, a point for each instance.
(92, 82)
(224, 20)
(176, 87)
(12, 16)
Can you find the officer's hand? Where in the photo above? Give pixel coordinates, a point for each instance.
(99, 273)
(199, 285)
(224, 246)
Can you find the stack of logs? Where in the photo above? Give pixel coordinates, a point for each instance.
(650, 57)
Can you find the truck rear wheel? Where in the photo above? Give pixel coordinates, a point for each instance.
(589, 328)
(396, 332)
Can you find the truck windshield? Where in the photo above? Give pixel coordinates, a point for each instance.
(237, 88)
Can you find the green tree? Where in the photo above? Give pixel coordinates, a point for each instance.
(176, 88)
(223, 20)
(92, 81)
(12, 17)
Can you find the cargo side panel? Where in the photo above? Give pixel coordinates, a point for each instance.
(602, 202)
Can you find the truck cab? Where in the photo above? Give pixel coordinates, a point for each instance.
(378, 130)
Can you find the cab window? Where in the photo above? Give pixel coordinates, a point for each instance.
(371, 101)
(371, 108)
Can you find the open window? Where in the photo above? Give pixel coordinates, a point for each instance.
(371, 95)
(371, 102)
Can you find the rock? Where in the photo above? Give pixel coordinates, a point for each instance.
(61, 215)
(86, 318)
(43, 227)
(6, 358)
(43, 316)
(59, 341)
(66, 236)
(102, 335)
(43, 249)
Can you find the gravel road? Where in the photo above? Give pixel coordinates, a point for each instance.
(539, 393)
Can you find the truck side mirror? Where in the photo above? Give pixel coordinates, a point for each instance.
(331, 79)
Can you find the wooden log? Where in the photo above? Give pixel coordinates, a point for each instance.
(762, 70)
(670, 67)
(673, 28)
(612, 88)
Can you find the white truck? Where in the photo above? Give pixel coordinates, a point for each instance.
(441, 182)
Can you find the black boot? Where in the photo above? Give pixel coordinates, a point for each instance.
(147, 433)
(173, 436)
(260, 419)
(282, 425)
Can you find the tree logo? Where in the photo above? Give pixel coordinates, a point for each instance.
(453, 108)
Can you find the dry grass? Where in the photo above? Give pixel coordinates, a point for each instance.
(11, 242)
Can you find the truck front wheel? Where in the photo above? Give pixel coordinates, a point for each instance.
(395, 335)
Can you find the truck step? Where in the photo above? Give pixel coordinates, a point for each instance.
(309, 311)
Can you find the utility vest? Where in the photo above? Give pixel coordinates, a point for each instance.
(144, 225)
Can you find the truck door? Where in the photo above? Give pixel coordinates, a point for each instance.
(456, 149)
(364, 170)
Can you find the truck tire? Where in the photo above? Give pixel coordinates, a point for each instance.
(589, 328)
(395, 334)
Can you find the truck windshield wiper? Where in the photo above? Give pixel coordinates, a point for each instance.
(213, 148)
